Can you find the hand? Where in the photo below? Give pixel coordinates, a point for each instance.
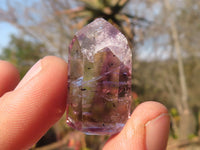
(38, 101)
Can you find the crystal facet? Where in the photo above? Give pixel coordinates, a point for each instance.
(99, 96)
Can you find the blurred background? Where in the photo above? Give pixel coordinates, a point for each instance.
(164, 36)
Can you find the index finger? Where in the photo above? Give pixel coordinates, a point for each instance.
(9, 77)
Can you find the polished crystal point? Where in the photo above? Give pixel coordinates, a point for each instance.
(99, 96)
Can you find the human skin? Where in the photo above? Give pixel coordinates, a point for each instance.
(28, 108)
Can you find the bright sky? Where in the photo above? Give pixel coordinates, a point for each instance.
(5, 30)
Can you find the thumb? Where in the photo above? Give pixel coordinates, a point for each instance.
(148, 128)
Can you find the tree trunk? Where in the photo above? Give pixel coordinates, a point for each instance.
(187, 121)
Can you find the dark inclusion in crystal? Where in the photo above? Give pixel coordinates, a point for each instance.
(99, 96)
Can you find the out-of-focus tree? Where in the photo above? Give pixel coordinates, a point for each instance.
(167, 74)
(39, 19)
(23, 53)
(187, 124)
(110, 10)
(54, 22)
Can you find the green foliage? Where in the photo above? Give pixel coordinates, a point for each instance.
(154, 76)
(191, 136)
(22, 53)
(173, 112)
(95, 142)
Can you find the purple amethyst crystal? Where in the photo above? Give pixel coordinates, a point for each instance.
(99, 96)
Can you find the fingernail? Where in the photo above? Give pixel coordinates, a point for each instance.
(30, 74)
(157, 132)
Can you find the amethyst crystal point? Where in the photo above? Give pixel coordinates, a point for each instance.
(99, 96)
